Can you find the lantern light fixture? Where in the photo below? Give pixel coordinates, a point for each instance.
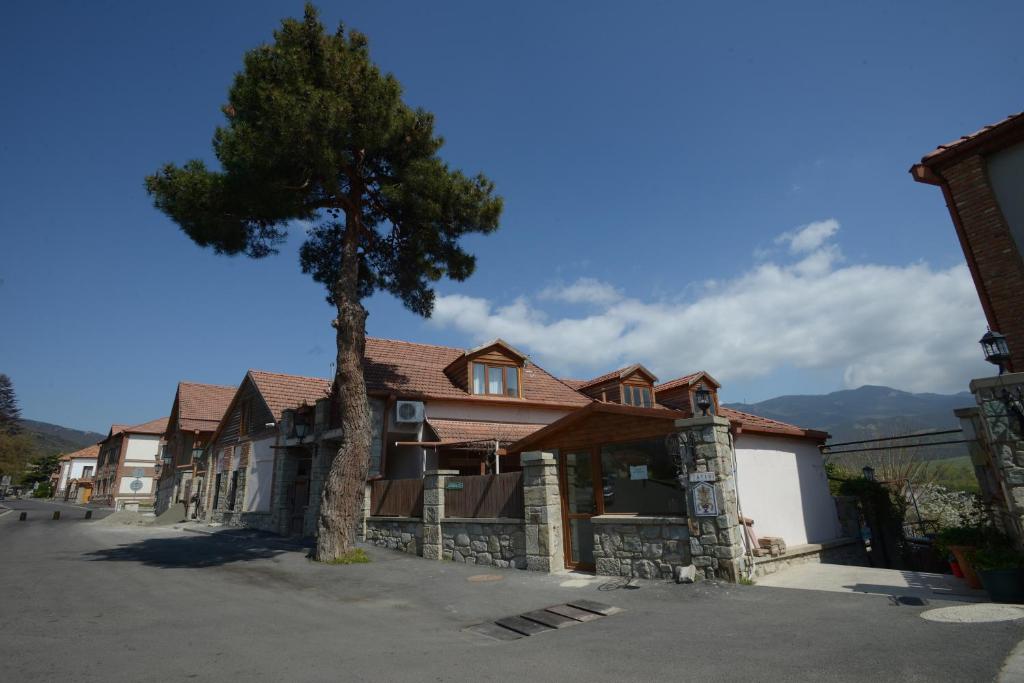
(702, 397)
(996, 350)
(868, 472)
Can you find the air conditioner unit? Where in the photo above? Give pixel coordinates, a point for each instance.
(409, 411)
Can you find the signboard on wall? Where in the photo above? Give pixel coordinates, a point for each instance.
(638, 472)
(702, 476)
(705, 504)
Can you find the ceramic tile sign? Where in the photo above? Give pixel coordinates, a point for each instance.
(637, 472)
(702, 476)
(704, 502)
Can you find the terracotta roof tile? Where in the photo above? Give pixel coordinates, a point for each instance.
(612, 375)
(289, 391)
(414, 370)
(953, 146)
(685, 380)
(463, 431)
(87, 452)
(764, 425)
(157, 426)
(573, 383)
(201, 406)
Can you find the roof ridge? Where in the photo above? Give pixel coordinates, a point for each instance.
(285, 374)
(412, 343)
(205, 384)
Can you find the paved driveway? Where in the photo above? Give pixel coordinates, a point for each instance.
(85, 601)
(875, 581)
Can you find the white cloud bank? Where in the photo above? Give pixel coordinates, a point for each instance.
(912, 327)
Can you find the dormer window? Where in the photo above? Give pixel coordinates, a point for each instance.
(634, 395)
(495, 380)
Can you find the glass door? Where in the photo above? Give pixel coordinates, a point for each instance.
(580, 474)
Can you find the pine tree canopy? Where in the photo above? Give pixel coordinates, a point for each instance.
(10, 413)
(316, 133)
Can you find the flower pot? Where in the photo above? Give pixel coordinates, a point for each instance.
(962, 555)
(954, 567)
(1004, 585)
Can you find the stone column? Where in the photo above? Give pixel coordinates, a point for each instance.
(364, 512)
(1001, 416)
(542, 515)
(716, 540)
(433, 512)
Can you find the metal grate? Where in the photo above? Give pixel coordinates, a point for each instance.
(543, 620)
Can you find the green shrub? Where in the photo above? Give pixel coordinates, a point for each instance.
(356, 556)
(998, 558)
(42, 491)
(971, 536)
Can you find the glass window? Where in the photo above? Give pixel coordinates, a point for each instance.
(478, 378)
(627, 395)
(494, 380)
(647, 397)
(512, 382)
(640, 478)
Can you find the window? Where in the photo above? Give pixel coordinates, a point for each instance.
(496, 380)
(636, 396)
(87, 471)
(640, 478)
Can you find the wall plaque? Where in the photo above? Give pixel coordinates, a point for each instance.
(702, 476)
(704, 502)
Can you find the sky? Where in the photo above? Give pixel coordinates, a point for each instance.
(716, 186)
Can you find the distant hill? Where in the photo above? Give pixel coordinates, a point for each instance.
(53, 438)
(867, 412)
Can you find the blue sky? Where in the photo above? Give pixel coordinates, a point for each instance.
(686, 185)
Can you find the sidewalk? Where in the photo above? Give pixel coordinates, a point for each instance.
(873, 580)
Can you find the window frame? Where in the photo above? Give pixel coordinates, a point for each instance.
(644, 395)
(505, 369)
(243, 417)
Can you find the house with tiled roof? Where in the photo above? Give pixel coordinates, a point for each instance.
(195, 413)
(236, 482)
(126, 466)
(74, 474)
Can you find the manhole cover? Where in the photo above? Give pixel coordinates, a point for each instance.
(974, 614)
(481, 578)
(542, 620)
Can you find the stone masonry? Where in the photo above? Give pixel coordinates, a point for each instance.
(495, 542)
(641, 547)
(716, 543)
(396, 533)
(542, 513)
(433, 511)
(1003, 429)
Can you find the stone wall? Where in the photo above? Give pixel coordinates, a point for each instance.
(847, 551)
(495, 542)
(640, 547)
(396, 533)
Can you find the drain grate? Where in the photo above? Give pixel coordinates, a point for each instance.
(541, 620)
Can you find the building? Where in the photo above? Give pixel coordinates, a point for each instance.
(126, 466)
(432, 407)
(74, 476)
(982, 180)
(195, 414)
(240, 456)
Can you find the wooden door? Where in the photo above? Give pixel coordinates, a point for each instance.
(580, 475)
(298, 496)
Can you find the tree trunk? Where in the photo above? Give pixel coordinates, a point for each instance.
(342, 499)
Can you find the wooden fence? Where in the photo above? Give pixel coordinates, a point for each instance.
(396, 498)
(491, 495)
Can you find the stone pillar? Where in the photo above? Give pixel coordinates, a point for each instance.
(709, 459)
(542, 515)
(433, 512)
(1001, 417)
(364, 512)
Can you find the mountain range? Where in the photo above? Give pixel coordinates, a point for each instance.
(864, 413)
(52, 438)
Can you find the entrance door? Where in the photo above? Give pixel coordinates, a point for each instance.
(298, 496)
(581, 476)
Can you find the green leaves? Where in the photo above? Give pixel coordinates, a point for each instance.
(315, 131)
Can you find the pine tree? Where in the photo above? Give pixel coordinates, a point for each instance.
(10, 413)
(315, 132)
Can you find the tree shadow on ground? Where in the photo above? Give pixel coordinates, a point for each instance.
(200, 551)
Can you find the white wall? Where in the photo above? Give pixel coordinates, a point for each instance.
(260, 477)
(72, 469)
(126, 486)
(142, 449)
(783, 488)
(460, 410)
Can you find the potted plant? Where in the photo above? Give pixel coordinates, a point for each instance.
(1002, 573)
(962, 542)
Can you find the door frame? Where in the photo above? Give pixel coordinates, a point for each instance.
(598, 490)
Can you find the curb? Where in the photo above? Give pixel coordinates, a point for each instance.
(1013, 667)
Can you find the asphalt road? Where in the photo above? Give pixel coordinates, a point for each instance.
(84, 601)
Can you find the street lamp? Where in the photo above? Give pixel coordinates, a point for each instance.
(868, 472)
(996, 350)
(703, 398)
(301, 428)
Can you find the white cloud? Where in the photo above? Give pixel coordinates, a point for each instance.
(586, 290)
(809, 237)
(913, 327)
